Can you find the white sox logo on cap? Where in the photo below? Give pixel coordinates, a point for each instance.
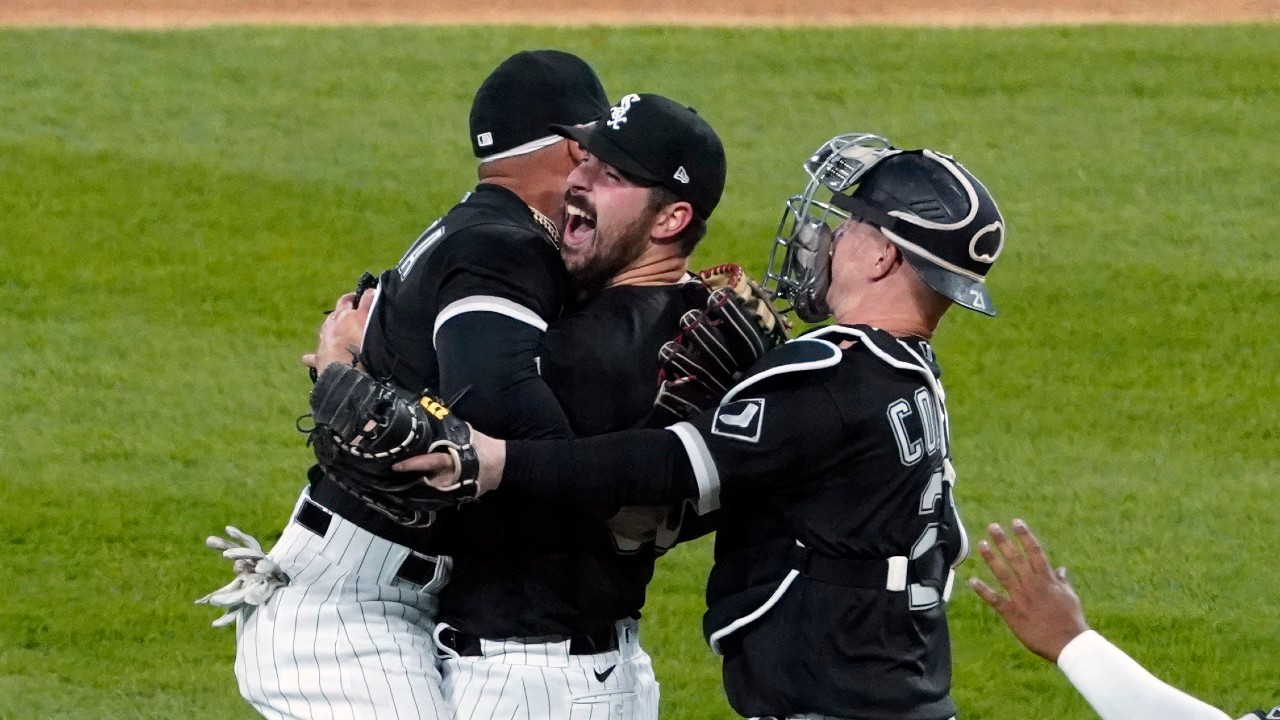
(618, 113)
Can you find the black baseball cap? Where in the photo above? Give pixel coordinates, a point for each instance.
(528, 92)
(655, 139)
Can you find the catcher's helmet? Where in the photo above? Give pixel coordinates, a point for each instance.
(935, 211)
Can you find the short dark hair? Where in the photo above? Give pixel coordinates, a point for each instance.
(692, 234)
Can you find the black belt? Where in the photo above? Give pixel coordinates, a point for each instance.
(592, 643)
(930, 569)
(416, 568)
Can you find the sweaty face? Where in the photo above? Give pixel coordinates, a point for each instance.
(607, 223)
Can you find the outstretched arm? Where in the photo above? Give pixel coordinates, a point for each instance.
(1043, 611)
(642, 467)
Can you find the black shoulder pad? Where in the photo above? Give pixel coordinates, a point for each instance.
(799, 355)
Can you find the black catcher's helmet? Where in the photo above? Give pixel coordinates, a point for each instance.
(934, 210)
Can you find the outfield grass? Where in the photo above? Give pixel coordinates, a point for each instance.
(177, 208)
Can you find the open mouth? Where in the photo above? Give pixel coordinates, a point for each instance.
(579, 226)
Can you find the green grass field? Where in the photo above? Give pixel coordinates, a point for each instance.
(177, 208)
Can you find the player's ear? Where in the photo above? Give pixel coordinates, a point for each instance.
(888, 257)
(576, 153)
(671, 220)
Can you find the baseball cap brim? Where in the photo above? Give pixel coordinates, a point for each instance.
(606, 150)
(959, 289)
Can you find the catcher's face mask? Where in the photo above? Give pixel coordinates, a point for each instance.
(800, 261)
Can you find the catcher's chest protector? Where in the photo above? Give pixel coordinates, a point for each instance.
(837, 568)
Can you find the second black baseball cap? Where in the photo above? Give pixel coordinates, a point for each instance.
(527, 92)
(658, 140)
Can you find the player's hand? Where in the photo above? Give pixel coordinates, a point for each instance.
(440, 471)
(342, 332)
(1042, 609)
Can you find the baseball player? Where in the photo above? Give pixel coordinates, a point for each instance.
(464, 310)
(1044, 613)
(830, 461)
(539, 619)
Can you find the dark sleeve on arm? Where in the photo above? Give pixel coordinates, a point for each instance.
(499, 292)
(795, 429)
(781, 431)
(488, 361)
(636, 467)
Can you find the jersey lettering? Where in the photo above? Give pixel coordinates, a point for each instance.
(909, 451)
(425, 242)
(922, 597)
(928, 420)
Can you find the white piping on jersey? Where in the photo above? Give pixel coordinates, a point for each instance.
(487, 303)
(705, 471)
(717, 636)
(377, 295)
(525, 149)
(833, 359)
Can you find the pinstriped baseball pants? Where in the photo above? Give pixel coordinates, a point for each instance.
(513, 680)
(346, 638)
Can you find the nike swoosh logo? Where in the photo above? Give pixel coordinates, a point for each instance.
(742, 419)
(602, 676)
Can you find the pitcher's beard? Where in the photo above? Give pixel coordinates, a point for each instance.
(608, 258)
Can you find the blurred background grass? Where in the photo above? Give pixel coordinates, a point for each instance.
(177, 208)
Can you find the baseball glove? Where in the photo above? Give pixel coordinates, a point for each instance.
(717, 344)
(363, 427)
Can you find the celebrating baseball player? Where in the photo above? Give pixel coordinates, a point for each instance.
(536, 587)
(1044, 613)
(336, 622)
(541, 587)
(540, 618)
(831, 460)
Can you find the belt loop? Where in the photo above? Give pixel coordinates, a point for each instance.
(897, 578)
(314, 517)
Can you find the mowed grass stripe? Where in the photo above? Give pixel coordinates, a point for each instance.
(177, 208)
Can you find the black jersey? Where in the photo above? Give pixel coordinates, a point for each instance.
(462, 314)
(529, 569)
(838, 531)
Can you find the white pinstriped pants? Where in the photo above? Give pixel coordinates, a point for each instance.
(346, 638)
(542, 681)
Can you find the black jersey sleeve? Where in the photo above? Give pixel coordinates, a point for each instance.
(760, 437)
(635, 467)
(499, 291)
(759, 440)
(488, 369)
